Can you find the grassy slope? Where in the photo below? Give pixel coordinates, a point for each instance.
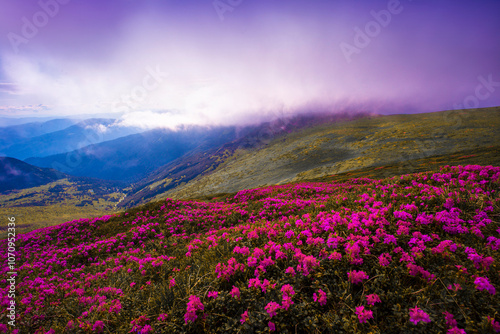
(57, 202)
(139, 252)
(346, 146)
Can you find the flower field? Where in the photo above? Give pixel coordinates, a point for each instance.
(417, 253)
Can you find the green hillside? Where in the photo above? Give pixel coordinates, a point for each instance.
(327, 149)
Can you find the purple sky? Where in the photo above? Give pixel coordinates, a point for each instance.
(160, 62)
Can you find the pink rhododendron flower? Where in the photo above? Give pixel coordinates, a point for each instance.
(287, 289)
(254, 283)
(98, 326)
(193, 305)
(266, 284)
(271, 308)
(146, 329)
(417, 315)
(455, 287)
(162, 317)
(356, 277)
(272, 327)
(290, 271)
(372, 299)
(482, 283)
(363, 315)
(384, 259)
(494, 324)
(450, 320)
(212, 294)
(287, 302)
(235, 292)
(456, 330)
(244, 317)
(139, 324)
(320, 297)
(335, 256)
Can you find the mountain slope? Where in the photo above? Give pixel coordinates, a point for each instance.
(10, 135)
(326, 149)
(16, 174)
(132, 157)
(201, 162)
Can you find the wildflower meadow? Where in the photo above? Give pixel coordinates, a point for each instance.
(417, 253)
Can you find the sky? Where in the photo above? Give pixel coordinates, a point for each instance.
(165, 63)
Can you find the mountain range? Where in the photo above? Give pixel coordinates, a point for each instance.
(41, 139)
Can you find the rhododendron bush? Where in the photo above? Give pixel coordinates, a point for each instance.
(411, 254)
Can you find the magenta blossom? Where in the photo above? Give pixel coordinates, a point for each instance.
(193, 305)
(98, 326)
(290, 271)
(417, 315)
(494, 324)
(482, 283)
(356, 277)
(450, 320)
(272, 327)
(287, 289)
(244, 317)
(372, 299)
(271, 308)
(235, 292)
(363, 315)
(320, 297)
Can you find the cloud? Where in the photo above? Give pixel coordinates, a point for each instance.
(9, 88)
(160, 70)
(23, 110)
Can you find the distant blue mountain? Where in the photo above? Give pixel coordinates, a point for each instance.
(49, 138)
(12, 134)
(16, 174)
(133, 157)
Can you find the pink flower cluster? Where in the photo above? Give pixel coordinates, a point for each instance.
(363, 315)
(482, 283)
(418, 315)
(320, 297)
(193, 305)
(356, 277)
